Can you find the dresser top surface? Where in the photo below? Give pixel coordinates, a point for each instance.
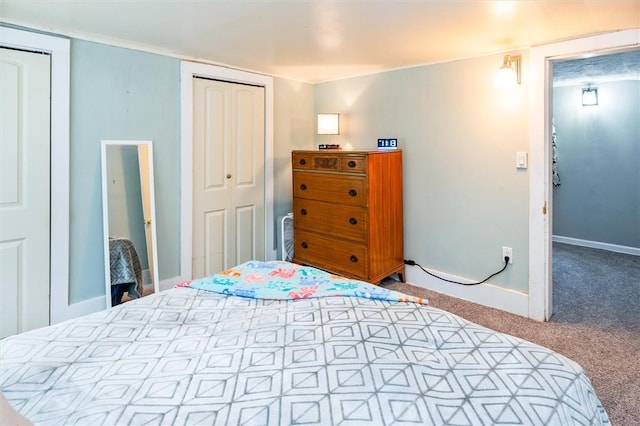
(344, 151)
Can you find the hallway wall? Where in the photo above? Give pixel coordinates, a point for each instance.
(598, 150)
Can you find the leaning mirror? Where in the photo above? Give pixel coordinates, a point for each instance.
(129, 220)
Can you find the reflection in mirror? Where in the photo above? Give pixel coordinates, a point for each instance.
(128, 208)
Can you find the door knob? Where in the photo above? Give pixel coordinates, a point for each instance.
(228, 175)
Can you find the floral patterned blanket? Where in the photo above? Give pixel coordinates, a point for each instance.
(280, 280)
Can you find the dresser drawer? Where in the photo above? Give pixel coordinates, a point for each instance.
(332, 254)
(330, 162)
(340, 189)
(302, 161)
(353, 163)
(348, 222)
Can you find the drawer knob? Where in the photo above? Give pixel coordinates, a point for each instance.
(304, 245)
(303, 187)
(354, 258)
(353, 221)
(351, 164)
(303, 212)
(353, 192)
(303, 161)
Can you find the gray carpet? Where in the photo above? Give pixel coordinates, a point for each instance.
(596, 322)
(596, 287)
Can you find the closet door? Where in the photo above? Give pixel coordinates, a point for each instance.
(24, 190)
(228, 175)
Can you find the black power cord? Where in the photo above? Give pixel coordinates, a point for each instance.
(413, 263)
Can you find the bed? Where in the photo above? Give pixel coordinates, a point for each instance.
(276, 343)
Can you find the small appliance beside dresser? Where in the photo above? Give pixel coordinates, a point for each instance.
(347, 212)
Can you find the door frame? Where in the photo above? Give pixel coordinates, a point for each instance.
(189, 70)
(59, 49)
(540, 188)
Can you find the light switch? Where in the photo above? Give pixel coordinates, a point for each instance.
(521, 160)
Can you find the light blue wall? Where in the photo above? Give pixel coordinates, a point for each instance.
(122, 94)
(293, 129)
(464, 199)
(599, 164)
(118, 93)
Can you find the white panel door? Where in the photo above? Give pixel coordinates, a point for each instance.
(24, 190)
(228, 175)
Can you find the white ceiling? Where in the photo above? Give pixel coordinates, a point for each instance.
(316, 41)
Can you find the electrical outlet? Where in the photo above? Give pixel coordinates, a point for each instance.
(507, 251)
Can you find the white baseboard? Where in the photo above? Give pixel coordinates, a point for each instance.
(89, 306)
(169, 283)
(483, 294)
(597, 245)
(86, 307)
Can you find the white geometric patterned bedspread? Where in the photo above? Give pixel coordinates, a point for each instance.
(187, 356)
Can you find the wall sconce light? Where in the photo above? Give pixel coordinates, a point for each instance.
(329, 124)
(510, 73)
(589, 96)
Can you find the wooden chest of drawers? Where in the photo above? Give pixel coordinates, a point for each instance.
(347, 212)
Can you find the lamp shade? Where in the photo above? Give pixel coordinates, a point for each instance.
(509, 74)
(329, 124)
(506, 77)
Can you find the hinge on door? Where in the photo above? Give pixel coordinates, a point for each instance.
(544, 208)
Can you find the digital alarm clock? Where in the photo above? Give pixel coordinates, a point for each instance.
(388, 143)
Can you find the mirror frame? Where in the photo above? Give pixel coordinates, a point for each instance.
(105, 214)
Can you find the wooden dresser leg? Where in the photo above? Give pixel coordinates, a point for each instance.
(401, 276)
